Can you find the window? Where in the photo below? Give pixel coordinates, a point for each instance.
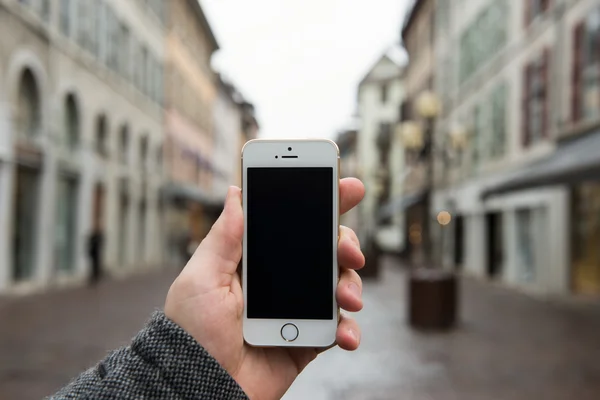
(483, 39)
(101, 35)
(28, 113)
(143, 67)
(65, 17)
(535, 9)
(535, 100)
(498, 120)
(113, 40)
(124, 51)
(478, 127)
(71, 123)
(45, 10)
(101, 136)
(83, 22)
(384, 93)
(144, 152)
(124, 144)
(586, 68)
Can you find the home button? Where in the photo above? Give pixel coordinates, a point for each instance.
(289, 332)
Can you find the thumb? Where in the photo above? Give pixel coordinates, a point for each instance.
(221, 249)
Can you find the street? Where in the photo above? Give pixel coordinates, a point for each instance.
(508, 345)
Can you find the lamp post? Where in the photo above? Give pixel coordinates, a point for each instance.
(420, 141)
(432, 291)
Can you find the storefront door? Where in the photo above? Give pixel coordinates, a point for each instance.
(65, 238)
(24, 229)
(585, 239)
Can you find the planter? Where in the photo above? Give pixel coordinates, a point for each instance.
(433, 299)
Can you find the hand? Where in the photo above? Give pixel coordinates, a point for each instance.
(206, 300)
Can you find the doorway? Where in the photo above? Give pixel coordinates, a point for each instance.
(24, 229)
(123, 228)
(585, 239)
(459, 242)
(495, 248)
(65, 234)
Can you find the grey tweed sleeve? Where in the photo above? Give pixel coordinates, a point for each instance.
(162, 362)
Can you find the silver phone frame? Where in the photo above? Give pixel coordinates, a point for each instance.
(311, 153)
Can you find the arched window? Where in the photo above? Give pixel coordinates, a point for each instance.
(124, 144)
(101, 136)
(143, 151)
(28, 112)
(71, 123)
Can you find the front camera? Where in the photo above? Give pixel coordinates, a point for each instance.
(289, 149)
(276, 156)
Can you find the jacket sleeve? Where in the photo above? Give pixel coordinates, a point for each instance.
(162, 362)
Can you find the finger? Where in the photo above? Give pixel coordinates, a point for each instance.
(349, 291)
(222, 247)
(352, 191)
(348, 334)
(345, 231)
(349, 252)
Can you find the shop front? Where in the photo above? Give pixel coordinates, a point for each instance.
(585, 238)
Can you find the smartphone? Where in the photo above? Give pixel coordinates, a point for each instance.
(290, 193)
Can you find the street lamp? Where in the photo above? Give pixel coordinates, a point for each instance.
(420, 141)
(428, 105)
(432, 291)
(411, 135)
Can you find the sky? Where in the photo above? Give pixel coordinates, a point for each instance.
(300, 61)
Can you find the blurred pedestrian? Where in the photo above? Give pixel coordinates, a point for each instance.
(95, 246)
(195, 349)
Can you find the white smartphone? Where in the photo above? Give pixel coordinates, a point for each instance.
(291, 210)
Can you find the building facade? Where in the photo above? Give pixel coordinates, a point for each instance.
(228, 125)
(191, 92)
(81, 136)
(520, 77)
(419, 39)
(380, 95)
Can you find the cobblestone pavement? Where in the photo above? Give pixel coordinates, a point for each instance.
(508, 346)
(46, 340)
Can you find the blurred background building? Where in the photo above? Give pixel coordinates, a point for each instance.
(109, 112)
(509, 92)
(191, 92)
(380, 94)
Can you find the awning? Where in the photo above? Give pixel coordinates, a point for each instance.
(178, 191)
(400, 204)
(574, 161)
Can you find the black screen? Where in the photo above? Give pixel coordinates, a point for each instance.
(290, 243)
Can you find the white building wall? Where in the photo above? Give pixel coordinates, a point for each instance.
(550, 207)
(60, 69)
(227, 125)
(372, 113)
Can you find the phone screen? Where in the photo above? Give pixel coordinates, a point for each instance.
(290, 243)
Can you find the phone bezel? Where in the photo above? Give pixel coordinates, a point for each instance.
(311, 153)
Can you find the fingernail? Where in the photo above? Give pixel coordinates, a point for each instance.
(354, 289)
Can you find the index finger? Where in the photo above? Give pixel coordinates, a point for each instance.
(352, 192)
